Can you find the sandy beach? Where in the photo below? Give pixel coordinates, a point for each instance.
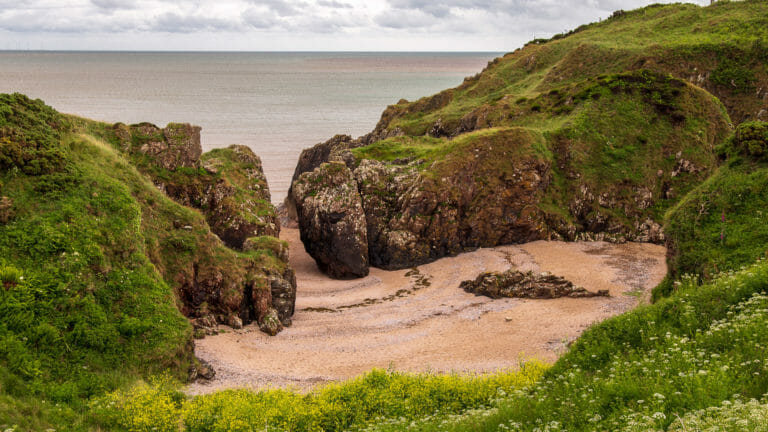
(419, 320)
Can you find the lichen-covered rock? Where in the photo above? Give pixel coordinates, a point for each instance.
(201, 370)
(517, 284)
(228, 185)
(332, 221)
(413, 218)
(283, 289)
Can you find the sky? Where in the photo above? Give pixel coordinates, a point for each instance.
(294, 25)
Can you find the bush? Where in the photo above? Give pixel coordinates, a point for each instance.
(751, 139)
(30, 132)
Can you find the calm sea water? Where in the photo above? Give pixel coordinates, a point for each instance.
(275, 103)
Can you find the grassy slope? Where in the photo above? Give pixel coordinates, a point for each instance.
(728, 40)
(90, 251)
(83, 308)
(723, 223)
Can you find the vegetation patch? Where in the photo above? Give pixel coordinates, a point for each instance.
(375, 397)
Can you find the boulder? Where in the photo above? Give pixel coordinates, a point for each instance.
(201, 371)
(270, 322)
(332, 221)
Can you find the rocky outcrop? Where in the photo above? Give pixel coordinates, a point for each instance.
(228, 185)
(175, 146)
(332, 220)
(517, 284)
(428, 196)
(413, 218)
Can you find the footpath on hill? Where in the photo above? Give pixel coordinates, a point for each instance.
(419, 320)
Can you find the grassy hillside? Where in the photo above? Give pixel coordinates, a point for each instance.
(83, 308)
(722, 48)
(625, 114)
(93, 261)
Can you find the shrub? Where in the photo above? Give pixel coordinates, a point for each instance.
(751, 139)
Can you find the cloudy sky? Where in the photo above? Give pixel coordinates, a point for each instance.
(288, 25)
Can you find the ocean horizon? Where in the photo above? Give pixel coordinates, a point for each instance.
(275, 102)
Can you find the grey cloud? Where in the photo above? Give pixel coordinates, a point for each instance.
(404, 18)
(172, 22)
(112, 5)
(259, 19)
(334, 4)
(281, 7)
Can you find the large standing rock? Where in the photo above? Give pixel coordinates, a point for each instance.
(238, 204)
(332, 221)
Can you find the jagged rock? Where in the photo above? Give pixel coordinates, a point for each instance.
(234, 197)
(6, 209)
(201, 371)
(317, 155)
(514, 283)
(284, 295)
(332, 221)
(231, 190)
(270, 323)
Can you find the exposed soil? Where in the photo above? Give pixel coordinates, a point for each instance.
(419, 319)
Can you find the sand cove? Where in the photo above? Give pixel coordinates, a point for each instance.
(419, 320)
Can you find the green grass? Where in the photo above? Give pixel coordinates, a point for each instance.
(726, 42)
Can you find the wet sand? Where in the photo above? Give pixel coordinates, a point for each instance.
(421, 321)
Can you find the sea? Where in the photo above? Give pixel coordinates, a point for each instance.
(277, 103)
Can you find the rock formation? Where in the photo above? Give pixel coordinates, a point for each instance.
(229, 187)
(517, 284)
(425, 197)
